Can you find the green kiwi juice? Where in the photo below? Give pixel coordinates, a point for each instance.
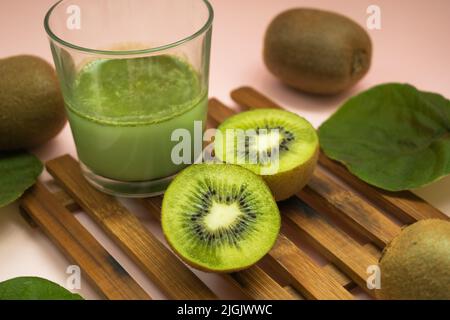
(124, 111)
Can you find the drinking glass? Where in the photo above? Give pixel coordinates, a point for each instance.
(132, 73)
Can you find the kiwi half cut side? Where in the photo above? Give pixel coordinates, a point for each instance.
(220, 217)
(293, 136)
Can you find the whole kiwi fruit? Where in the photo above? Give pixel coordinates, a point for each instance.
(416, 264)
(31, 104)
(317, 51)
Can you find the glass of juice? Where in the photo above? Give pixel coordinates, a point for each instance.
(132, 72)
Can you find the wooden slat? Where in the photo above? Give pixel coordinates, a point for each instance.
(294, 293)
(159, 263)
(340, 277)
(66, 200)
(218, 112)
(254, 282)
(97, 265)
(405, 205)
(252, 99)
(258, 285)
(374, 251)
(325, 195)
(27, 218)
(304, 274)
(348, 255)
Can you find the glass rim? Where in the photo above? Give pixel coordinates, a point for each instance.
(165, 47)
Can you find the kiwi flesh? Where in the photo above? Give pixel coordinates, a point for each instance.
(219, 217)
(416, 264)
(296, 141)
(31, 103)
(317, 51)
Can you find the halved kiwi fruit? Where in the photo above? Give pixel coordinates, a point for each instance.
(220, 217)
(293, 136)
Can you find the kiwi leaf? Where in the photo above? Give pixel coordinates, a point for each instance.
(18, 172)
(392, 136)
(33, 288)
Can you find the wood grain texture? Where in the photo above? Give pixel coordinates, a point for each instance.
(258, 285)
(80, 247)
(66, 200)
(304, 274)
(252, 99)
(339, 276)
(254, 282)
(338, 247)
(218, 112)
(294, 293)
(159, 263)
(405, 205)
(325, 195)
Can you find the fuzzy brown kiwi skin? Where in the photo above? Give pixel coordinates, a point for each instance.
(288, 183)
(316, 51)
(31, 104)
(401, 281)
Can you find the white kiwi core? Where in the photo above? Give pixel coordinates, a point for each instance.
(221, 216)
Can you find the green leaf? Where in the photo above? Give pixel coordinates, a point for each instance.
(18, 172)
(33, 288)
(392, 136)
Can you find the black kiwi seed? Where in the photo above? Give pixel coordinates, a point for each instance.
(288, 138)
(201, 202)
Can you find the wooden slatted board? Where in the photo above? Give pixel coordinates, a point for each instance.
(347, 228)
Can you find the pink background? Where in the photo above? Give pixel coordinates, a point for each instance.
(412, 46)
